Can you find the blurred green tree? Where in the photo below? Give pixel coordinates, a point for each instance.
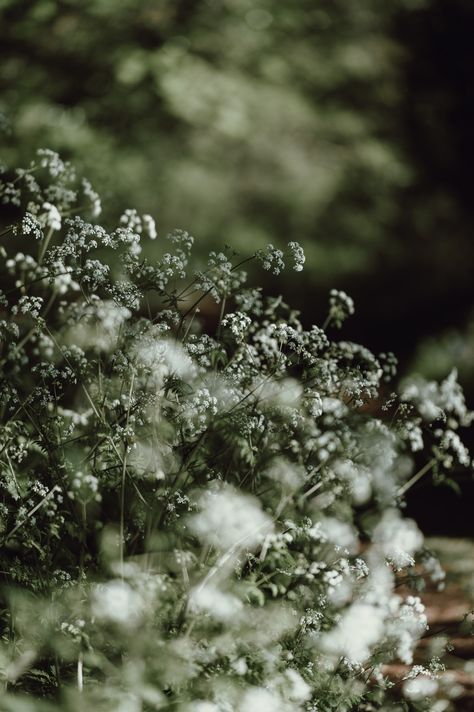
(253, 122)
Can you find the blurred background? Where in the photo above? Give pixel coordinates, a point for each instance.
(347, 126)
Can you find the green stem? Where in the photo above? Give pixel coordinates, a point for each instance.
(221, 316)
(44, 245)
(80, 671)
(124, 477)
(413, 480)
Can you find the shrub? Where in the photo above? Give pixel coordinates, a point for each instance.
(195, 518)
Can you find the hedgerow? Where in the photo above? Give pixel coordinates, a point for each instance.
(196, 518)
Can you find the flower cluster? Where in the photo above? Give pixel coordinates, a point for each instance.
(190, 520)
(341, 306)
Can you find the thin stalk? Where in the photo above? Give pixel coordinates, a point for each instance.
(29, 515)
(57, 671)
(44, 245)
(312, 490)
(327, 321)
(124, 477)
(80, 672)
(6, 231)
(413, 480)
(83, 542)
(190, 324)
(221, 316)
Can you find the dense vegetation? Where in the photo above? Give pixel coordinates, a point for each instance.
(191, 520)
(207, 494)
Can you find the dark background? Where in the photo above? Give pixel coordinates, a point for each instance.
(347, 126)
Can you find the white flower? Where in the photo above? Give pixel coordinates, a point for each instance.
(287, 474)
(52, 216)
(52, 161)
(452, 398)
(118, 603)
(413, 434)
(150, 461)
(28, 305)
(240, 666)
(452, 445)
(420, 687)
(30, 225)
(100, 325)
(358, 478)
(237, 323)
(209, 599)
(313, 402)
(378, 588)
(200, 409)
(163, 356)
(94, 198)
(434, 400)
(298, 690)
(408, 621)
(397, 539)
(360, 628)
(286, 392)
(271, 259)
(340, 307)
(229, 519)
(257, 699)
(149, 226)
(131, 220)
(298, 256)
(340, 533)
(111, 316)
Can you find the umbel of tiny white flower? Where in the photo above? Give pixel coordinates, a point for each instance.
(341, 306)
(298, 255)
(272, 258)
(228, 519)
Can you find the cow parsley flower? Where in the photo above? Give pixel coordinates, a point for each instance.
(28, 305)
(411, 432)
(51, 216)
(229, 519)
(84, 487)
(162, 356)
(53, 162)
(131, 220)
(389, 363)
(258, 698)
(359, 630)
(298, 255)
(420, 688)
(397, 539)
(451, 449)
(294, 688)
(30, 225)
(436, 401)
(237, 323)
(149, 226)
(271, 259)
(341, 306)
(216, 603)
(117, 602)
(93, 197)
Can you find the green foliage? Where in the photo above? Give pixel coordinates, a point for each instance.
(178, 108)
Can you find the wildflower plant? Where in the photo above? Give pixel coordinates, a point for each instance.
(198, 520)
